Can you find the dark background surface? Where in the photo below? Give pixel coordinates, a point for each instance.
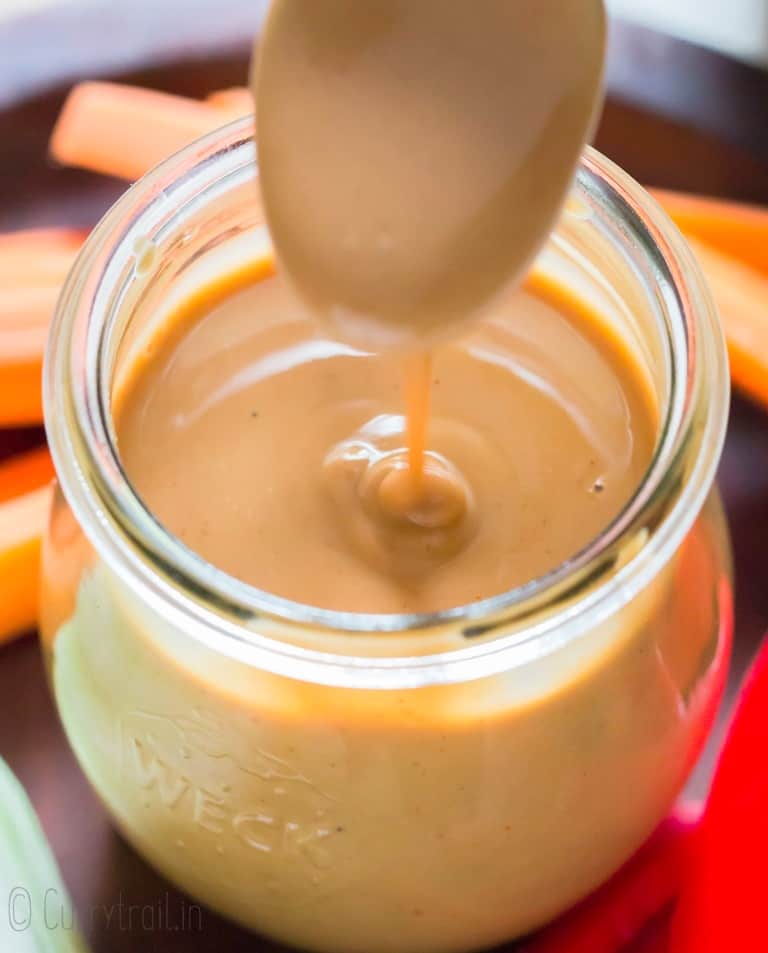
(677, 116)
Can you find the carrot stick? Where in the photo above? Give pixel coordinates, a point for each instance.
(38, 256)
(234, 103)
(731, 242)
(741, 294)
(738, 230)
(25, 472)
(25, 494)
(124, 131)
(33, 267)
(22, 522)
(617, 913)
(25, 314)
(21, 403)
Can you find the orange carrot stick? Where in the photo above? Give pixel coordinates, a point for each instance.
(25, 494)
(21, 393)
(124, 131)
(38, 256)
(740, 231)
(234, 103)
(741, 294)
(25, 472)
(25, 314)
(22, 522)
(33, 267)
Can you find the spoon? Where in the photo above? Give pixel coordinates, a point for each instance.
(415, 154)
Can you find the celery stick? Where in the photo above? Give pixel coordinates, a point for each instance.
(36, 914)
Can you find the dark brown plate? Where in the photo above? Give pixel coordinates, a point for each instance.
(677, 116)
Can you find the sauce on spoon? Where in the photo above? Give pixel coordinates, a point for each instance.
(415, 156)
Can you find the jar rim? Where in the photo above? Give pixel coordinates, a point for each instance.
(258, 627)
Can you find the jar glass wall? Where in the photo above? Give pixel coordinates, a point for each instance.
(391, 783)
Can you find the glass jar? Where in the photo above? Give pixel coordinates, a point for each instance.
(389, 783)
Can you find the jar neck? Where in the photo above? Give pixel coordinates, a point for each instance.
(91, 325)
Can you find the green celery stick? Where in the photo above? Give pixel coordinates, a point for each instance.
(36, 914)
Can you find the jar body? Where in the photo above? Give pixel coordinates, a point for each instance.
(435, 819)
(384, 784)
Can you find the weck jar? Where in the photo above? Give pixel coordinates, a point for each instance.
(354, 783)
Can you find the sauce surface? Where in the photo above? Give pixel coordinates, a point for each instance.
(285, 455)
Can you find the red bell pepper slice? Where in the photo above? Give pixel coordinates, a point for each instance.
(724, 903)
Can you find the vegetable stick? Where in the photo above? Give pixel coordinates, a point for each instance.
(722, 906)
(21, 392)
(741, 294)
(39, 256)
(25, 472)
(28, 863)
(25, 315)
(22, 522)
(25, 494)
(33, 267)
(617, 913)
(124, 131)
(740, 231)
(234, 103)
